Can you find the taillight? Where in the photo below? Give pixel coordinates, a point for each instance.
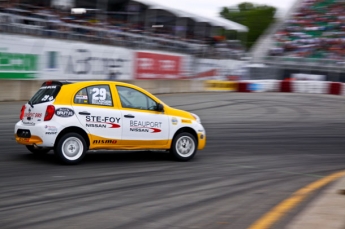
(49, 113)
(22, 112)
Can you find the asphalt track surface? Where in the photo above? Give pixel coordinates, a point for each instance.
(260, 149)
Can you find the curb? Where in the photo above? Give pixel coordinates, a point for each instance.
(326, 211)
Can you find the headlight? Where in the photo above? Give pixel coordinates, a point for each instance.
(196, 117)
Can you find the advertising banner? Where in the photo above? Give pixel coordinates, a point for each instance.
(207, 69)
(28, 57)
(149, 65)
(17, 65)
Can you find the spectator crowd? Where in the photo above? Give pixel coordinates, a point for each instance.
(109, 28)
(316, 31)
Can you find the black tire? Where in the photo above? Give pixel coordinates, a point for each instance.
(183, 147)
(39, 151)
(70, 148)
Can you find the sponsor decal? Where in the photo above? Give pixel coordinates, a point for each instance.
(24, 139)
(186, 121)
(145, 126)
(102, 122)
(174, 121)
(64, 112)
(51, 128)
(81, 96)
(51, 133)
(28, 123)
(102, 102)
(105, 142)
(48, 87)
(33, 115)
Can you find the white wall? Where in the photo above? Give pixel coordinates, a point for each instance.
(59, 59)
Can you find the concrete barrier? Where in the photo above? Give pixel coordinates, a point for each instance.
(220, 85)
(15, 90)
(12, 90)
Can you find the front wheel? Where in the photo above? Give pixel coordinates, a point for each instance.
(183, 147)
(38, 151)
(70, 148)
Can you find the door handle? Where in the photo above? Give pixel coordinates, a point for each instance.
(84, 113)
(129, 116)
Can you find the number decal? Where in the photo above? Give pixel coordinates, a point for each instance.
(45, 98)
(99, 94)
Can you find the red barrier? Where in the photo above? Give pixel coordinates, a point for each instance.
(243, 87)
(286, 86)
(335, 88)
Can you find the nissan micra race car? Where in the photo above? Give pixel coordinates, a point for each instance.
(74, 117)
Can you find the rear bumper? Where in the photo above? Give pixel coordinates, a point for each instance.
(33, 140)
(41, 134)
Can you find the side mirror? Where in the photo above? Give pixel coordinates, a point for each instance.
(160, 107)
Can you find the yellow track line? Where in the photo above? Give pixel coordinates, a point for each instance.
(276, 213)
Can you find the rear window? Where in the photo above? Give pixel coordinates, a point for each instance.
(45, 94)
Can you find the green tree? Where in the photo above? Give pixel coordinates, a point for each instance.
(256, 17)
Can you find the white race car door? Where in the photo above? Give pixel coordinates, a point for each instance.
(142, 124)
(94, 108)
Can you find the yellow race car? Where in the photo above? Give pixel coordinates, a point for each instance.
(74, 117)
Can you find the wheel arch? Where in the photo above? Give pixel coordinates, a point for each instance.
(188, 130)
(73, 129)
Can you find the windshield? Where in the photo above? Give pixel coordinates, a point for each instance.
(45, 94)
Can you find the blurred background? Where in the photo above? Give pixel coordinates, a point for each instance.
(140, 39)
(261, 147)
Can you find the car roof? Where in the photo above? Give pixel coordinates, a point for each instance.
(46, 83)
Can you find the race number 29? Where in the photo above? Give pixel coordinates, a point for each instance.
(99, 94)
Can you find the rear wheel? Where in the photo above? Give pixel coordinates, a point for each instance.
(70, 148)
(184, 146)
(38, 151)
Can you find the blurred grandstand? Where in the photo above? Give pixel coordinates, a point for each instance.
(311, 40)
(138, 24)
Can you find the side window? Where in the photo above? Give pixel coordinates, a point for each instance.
(95, 95)
(81, 97)
(131, 98)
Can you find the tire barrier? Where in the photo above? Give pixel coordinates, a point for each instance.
(261, 85)
(244, 87)
(335, 88)
(219, 85)
(316, 87)
(286, 86)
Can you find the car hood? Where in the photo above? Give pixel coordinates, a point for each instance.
(178, 113)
